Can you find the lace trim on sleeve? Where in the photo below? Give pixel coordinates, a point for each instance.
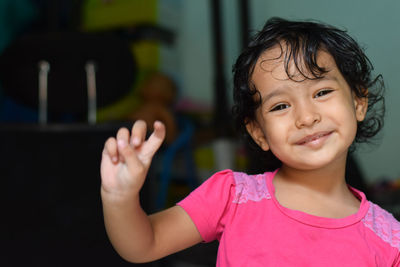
(250, 187)
(383, 224)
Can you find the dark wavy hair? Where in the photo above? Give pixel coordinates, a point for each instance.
(300, 42)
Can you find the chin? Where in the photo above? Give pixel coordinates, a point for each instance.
(314, 163)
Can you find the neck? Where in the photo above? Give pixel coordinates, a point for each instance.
(327, 180)
(322, 192)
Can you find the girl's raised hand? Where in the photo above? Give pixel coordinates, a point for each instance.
(126, 159)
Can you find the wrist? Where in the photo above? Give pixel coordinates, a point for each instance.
(119, 198)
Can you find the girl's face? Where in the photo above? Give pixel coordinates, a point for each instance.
(307, 124)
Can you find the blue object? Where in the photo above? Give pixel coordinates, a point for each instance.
(12, 112)
(182, 143)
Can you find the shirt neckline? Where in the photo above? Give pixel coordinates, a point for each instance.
(318, 221)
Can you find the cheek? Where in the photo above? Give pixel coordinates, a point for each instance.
(343, 110)
(276, 132)
(346, 119)
(353, 127)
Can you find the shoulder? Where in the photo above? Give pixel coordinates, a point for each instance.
(383, 224)
(250, 187)
(209, 205)
(228, 186)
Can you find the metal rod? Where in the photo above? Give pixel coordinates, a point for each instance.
(44, 68)
(91, 87)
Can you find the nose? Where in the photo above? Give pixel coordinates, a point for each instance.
(307, 115)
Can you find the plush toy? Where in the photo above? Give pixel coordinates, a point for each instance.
(157, 96)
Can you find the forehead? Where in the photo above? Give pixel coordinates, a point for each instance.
(280, 62)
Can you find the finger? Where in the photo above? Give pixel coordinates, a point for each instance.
(123, 134)
(110, 149)
(122, 140)
(159, 131)
(131, 159)
(155, 140)
(138, 135)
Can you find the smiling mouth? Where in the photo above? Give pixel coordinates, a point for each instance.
(313, 137)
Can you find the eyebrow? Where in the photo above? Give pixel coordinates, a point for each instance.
(281, 90)
(277, 92)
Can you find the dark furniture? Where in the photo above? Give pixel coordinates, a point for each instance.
(51, 207)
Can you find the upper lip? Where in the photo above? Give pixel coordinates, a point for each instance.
(313, 137)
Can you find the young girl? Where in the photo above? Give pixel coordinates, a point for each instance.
(302, 92)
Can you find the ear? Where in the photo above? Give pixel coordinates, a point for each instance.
(255, 131)
(361, 106)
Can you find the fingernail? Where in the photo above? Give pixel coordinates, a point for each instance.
(114, 159)
(121, 143)
(136, 141)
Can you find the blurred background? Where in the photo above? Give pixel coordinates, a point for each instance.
(74, 71)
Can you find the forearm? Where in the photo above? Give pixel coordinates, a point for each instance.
(136, 236)
(128, 228)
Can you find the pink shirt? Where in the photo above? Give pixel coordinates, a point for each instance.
(253, 229)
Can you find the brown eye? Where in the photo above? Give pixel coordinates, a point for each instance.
(280, 107)
(323, 92)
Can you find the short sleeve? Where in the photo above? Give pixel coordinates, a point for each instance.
(208, 206)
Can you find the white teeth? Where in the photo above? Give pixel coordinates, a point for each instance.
(313, 138)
